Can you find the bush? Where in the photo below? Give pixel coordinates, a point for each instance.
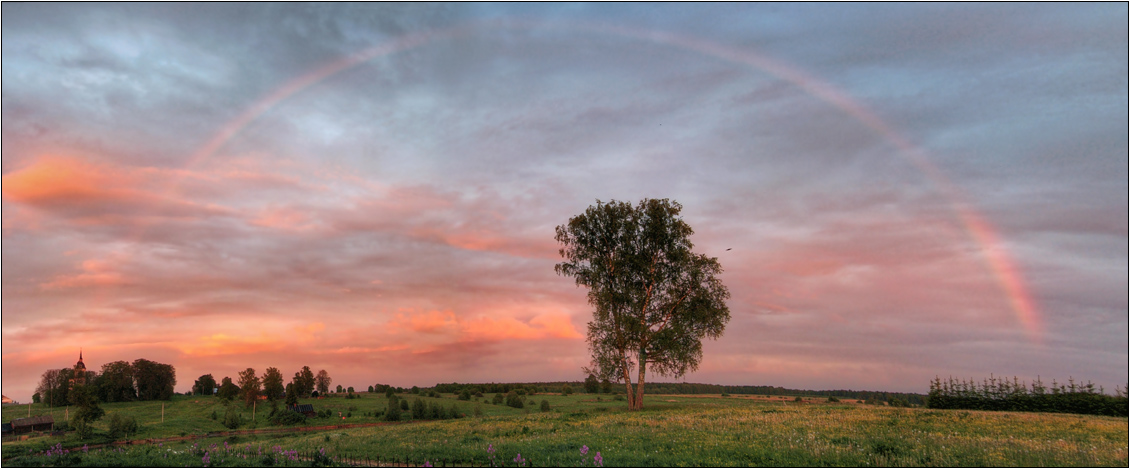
(231, 419)
(122, 425)
(404, 405)
(288, 417)
(514, 401)
(833, 399)
(465, 395)
(544, 405)
(566, 390)
(497, 399)
(478, 411)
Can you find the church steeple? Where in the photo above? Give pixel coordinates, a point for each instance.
(80, 370)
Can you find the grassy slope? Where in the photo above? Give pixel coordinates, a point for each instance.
(682, 431)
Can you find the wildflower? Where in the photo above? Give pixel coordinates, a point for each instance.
(598, 460)
(205, 459)
(518, 459)
(428, 464)
(85, 449)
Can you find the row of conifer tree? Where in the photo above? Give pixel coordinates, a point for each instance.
(1013, 395)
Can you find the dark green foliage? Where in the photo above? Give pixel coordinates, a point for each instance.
(231, 418)
(497, 399)
(592, 385)
(566, 390)
(273, 384)
(303, 382)
(833, 399)
(228, 390)
(115, 383)
(513, 400)
(203, 385)
(322, 382)
(122, 425)
(654, 299)
(404, 404)
(291, 395)
(1002, 394)
(393, 412)
(370, 388)
(155, 381)
(419, 409)
(249, 387)
(35, 398)
(606, 386)
(544, 405)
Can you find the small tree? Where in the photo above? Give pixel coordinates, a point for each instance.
(122, 425)
(273, 384)
(592, 385)
(204, 385)
(566, 390)
(323, 381)
(514, 400)
(291, 395)
(544, 405)
(228, 390)
(249, 386)
(86, 411)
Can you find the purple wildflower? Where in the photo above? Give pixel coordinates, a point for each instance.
(598, 460)
(85, 449)
(428, 464)
(584, 450)
(518, 459)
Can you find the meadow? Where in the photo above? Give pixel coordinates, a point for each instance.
(674, 431)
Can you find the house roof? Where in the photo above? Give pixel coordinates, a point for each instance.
(40, 420)
(303, 408)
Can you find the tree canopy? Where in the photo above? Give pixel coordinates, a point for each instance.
(654, 299)
(273, 384)
(249, 386)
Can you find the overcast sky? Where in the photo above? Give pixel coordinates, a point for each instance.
(908, 190)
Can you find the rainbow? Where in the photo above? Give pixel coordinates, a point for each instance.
(996, 256)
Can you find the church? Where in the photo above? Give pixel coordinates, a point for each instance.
(79, 378)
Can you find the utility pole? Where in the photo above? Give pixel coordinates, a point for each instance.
(162, 412)
(254, 404)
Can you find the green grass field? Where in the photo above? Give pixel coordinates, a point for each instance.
(671, 431)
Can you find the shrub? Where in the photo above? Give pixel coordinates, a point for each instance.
(393, 412)
(566, 390)
(497, 399)
(465, 395)
(833, 399)
(514, 401)
(478, 411)
(544, 405)
(404, 405)
(122, 425)
(231, 418)
(288, 417)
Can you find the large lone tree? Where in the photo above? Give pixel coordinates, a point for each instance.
(654, 299)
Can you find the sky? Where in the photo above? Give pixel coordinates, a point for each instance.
(895, 191)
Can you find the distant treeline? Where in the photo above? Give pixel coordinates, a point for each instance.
(688, 388)
(1001, 394)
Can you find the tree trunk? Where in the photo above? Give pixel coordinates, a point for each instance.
(628, 384)
(638, 401)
